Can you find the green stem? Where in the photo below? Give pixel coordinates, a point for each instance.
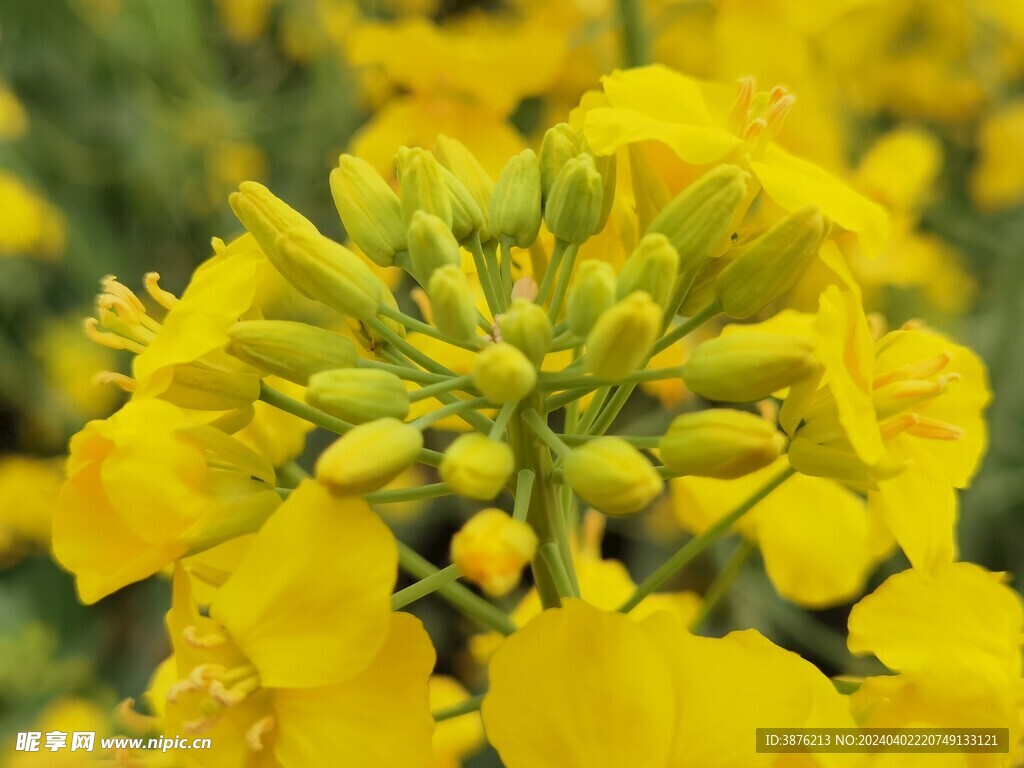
(562, 399)
(550, 555)
(471, 605)
(524, 489)
(702, 541)
(563, 282)
(420, 327)
(470, 705)
(282, 402)
(416, 493)
(484, 273)
(723, 581)
(457, 407)
(459, 382)
(548, 281)
(291, 474)
(593, 382)
(408, 349)
(424, 587)
(506, 268)
(637, 441)
(491, 252)
(634, 35)
(404, 372)
(686, 327)
(502, 419)
(593, 408)
(545, 433)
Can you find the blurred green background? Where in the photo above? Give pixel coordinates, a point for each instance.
(124, 124)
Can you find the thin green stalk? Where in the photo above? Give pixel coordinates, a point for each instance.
(502, 419)
(483, 270)
(524, 489)
(723, 581)
(686, 327)
(404, 371)
(416, 493)
(548, 281)
(634, 34)
(420, 327)
(637, 441)
(470, 604)
(556, 382)
(282, 402)
(459, 382)
(291, 474)
(611, 409)
(451, 409)
(562, 399)
(491, 252)
(470, 705)
(563, 282)
(545, 433)
(506, 267)
(549, 553)
(702, 541)
(408, 349)
(424, 587)
(592, 409)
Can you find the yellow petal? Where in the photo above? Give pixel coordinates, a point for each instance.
(378, 719)
(793, 183)
(962, 611)
(577, 686)
(607, 129)
(711, 676)
(310, 604)
(657, 91)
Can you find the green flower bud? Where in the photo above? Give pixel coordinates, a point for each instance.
(561, 143)
(454, 156)
(702, 289)
(293, 351)
(613, 476)
(573, 207)
(607, 166)
(477, 467)
(772, 264)
(452, 307)
(266, 217)
(526, 327)
(431, 245)
(720, 443)
(652, 268)
(330, 273)
(370, 210)
(358, 395)
(619, 342)
(698, 220)
(423, 185)
(368, 456)
(503, 374)
(515, 209)
(592, 292)
(205, 389)
(743, 367)
(466, 214)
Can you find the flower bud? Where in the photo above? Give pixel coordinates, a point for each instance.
(697, 221)
(561, 143)
(503, 374)
(467, 217)
(370, 210)
(423, 185)
(772, 264)
(454, 156)
(368, 456)
(573, 207)
(358, 395)
(652, 268)
(206, 389)
(266, 217)
(452, 307)
(431, 245)
(702, 289)
(293, 351)
(592, 292)
(619, 342)
(476, 466)
(719, 443)
(330, 273)
(526, 327)
(492, 549)
(744, 367)
(613, 476)
(515, 209)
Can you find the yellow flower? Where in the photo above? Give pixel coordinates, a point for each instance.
(656, 104)
(997, 181)
(245, 21)
(458, 737)
(654, 695)
(301, 657)
(67, 714)
(142, 493)
(954, 638)
(492, 549)
(29, 225)
(28, 490)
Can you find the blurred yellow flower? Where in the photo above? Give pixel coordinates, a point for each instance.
(29, 225)
(458, 737)
(13, 117)
(997, 181)
(28, 491)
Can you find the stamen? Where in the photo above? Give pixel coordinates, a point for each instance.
(218, 246)
(165, 299)
(211, 640)
(237, 693)
(525, 288)
(922, 369)
(933, 429)
(741, 106)
(201, 725)
(127, 383)
(207, 574)
(134, 719)
(754, 130)
(897, 425)
(111, 340)
(125, 312)
(110, 285)
(776, 93)
(259, 729)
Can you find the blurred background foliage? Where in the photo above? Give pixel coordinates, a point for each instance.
(124, 124)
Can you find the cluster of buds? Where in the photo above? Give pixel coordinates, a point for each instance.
(519, 330)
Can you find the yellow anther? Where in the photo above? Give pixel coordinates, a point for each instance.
(203, 674)
(777, 93)
(218, 245)
(896, 425)
(125, 311)
(127, 383)
(207, 574)
(877, 325)
(111, 340)
(922, 369)
(134, 719)
(193, 638)
(165, 299)
(201, 725)
(933, 429)
(259, 729)
(903, 395)
(235, 694)
(182, 686)
(741, 106)
(754, 130)
(525, 288)
(110, 285)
